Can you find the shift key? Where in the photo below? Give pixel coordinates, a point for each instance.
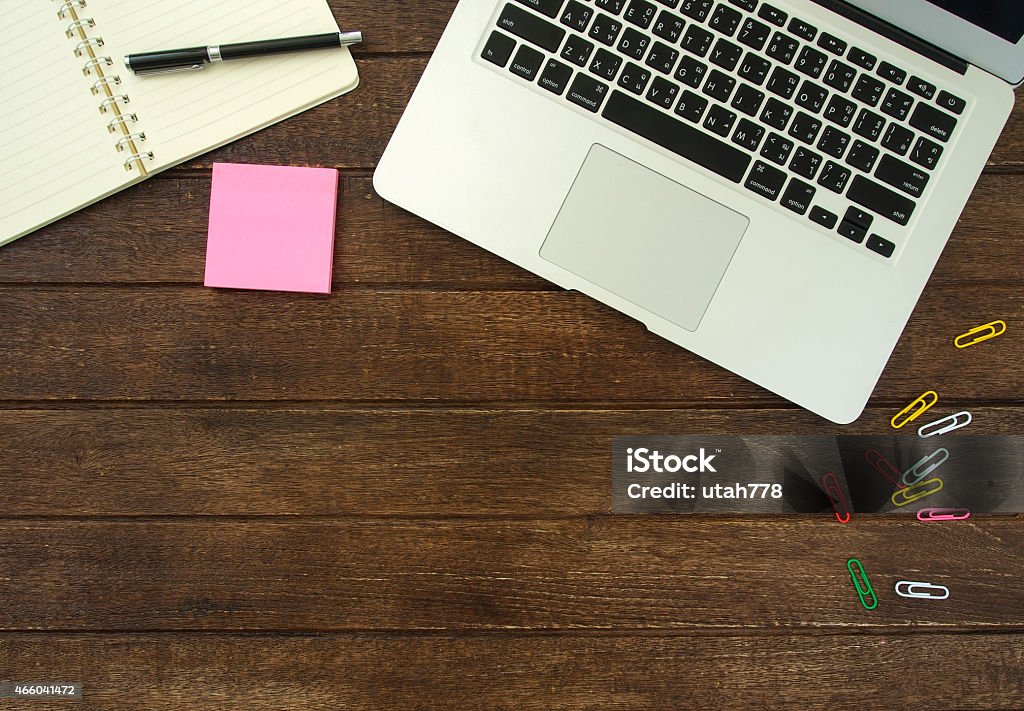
(531, 28)
(881, 200)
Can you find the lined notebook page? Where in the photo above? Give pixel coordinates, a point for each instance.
(186, 114)
(56, 155)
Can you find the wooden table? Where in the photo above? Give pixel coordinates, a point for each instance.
(398, 496)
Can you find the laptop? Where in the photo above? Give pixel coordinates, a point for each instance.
(768, 185)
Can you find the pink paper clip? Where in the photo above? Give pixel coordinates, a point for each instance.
(943, 514)
(835, 495)
(884, 467)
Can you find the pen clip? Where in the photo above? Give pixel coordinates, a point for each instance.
(170, 70)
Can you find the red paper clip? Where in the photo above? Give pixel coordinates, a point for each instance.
(835, 495)
(884, 467)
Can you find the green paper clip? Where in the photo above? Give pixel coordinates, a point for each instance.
(865, 592)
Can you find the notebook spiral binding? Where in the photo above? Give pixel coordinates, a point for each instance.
(123, 123)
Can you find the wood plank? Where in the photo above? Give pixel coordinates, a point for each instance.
(379, 244)
(180, 343)
(526, 673)
(394, 27)
(596, 572)
(157, 461)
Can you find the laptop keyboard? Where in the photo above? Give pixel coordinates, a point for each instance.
(799, 117)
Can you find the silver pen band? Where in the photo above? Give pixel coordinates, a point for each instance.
(214, 53)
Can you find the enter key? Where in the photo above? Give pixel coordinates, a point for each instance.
(902, 176)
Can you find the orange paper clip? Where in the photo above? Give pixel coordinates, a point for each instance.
(917, 491)
(943, 514)
(835, 495)
(979, 334)
(884, 467)
(915, 409)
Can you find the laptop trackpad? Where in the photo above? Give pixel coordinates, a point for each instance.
(644, 238)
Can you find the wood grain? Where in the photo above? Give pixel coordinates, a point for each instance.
(524, 673)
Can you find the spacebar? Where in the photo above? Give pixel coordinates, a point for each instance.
(676, 136)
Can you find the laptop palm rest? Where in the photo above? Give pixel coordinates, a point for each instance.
(644, 238)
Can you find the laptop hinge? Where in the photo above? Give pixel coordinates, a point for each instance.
(896, 34)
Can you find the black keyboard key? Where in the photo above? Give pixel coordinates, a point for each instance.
(498, 49)
(726, 54)
(840, 111)
(777, 148)
(898, 139)
(754, 34)
(696, 9)
(921, 87)
(691, 72)
(678, 137)
(692, 106)
(834, 176)
(776, 114)
(805, 162)
(555, 77)
(725, 20)
(662, 57)
(811, 62)
(864, 60)
(605, 65)
(531, 28)
(719, 86)
(605, 29)
(765, 180)
(640, 13)
(748, 135)
(881, 245)
(748, 100)
(852, 232)
(612, 6)
(868, 90)
(663, 93)
(840, 76)
(697, 40)
(634, 43)
(858, 217)
(926, 153)
(754, 69)
(881, 200)
(823, 217)
(805, 128)
(798, 196)
(526, 63)
(951, 103)
(811, 96)
(897, 104)
(748, 5)
(577, 50)
(892, 73)
(783, 83)
(634, 78)
(869, 125)
(720, 120)
(669, 27)
(577, 16)
(902, 176)
(546, 7)
(772, 14)
(782, 48)
(862, 156)
(832, 44)
(933, 122)
(834, 142)
(587, 92)
(803, 30)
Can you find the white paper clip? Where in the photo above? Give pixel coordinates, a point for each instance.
(921, 591)
(925, 466)
(946, 424)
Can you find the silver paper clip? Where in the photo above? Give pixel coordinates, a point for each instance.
(921, 591)
(946, 424)
(925, 466)
(943, 514)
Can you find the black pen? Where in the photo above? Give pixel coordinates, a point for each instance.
(181, 60)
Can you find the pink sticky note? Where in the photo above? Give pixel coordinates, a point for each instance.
(271, 228)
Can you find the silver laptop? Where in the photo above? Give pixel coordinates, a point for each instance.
(768, 185)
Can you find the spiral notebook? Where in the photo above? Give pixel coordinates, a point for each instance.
(76, 126)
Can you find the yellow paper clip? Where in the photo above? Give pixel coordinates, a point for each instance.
(925, 466)
(980, 333)
(946, 424)
(902, 497)
(915, 409)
